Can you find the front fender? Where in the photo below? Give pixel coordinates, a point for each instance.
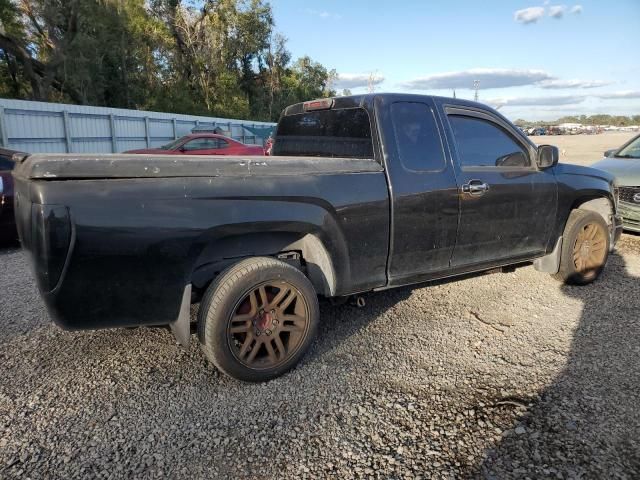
(578, 185)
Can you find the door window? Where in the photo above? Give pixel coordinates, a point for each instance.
(484, 144)
(417, 137)
(203, 144)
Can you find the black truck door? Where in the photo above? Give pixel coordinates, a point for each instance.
(507, 205)
(424, 194)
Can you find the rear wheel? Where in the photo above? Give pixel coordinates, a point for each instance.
(257, 319)
(585, 248)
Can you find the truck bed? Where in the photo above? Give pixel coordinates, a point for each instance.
(116, 238)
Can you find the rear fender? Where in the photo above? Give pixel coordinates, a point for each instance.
(219, 254)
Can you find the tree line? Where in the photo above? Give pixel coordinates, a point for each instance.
(601, 119)
(205, 57)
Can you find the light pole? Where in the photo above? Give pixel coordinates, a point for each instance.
(476, 87)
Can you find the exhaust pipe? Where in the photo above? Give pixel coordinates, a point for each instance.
(359, 301)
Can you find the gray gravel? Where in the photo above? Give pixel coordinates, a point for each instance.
(500, 376)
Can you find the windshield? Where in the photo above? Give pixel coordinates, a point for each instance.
(172, 145)
(632, 150)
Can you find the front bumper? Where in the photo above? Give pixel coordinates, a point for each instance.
(630, 216)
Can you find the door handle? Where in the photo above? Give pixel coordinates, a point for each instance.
(475, 187)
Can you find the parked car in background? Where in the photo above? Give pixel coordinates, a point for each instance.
(536, 131)
(204, 144)
(624, 164)
(8, 231)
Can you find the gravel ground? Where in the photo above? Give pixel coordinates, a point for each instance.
(500, 376)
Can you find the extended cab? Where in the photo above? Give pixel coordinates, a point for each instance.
(363, 193)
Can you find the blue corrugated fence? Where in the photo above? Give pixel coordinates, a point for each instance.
(59, 128)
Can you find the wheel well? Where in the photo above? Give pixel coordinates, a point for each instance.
(600, 205)
(303, 251)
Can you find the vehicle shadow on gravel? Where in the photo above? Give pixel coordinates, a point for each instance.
(340, 322)
(585, 424)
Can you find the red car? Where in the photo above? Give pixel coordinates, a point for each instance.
(204, 144)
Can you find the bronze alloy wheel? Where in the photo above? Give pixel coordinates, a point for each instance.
(590, 249)
(268, 325)
(585, 248)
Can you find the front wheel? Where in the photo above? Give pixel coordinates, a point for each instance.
(585, 248)
(257, 319)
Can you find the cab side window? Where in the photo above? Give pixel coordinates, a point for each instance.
(483, 144)
(417, 137)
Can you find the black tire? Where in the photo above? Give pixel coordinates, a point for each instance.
(582, 259)
(237, 294)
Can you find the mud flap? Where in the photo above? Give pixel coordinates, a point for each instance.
(550, 263)
(181, 327)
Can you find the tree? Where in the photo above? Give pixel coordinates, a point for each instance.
(216, 57)
(82, 51)
(39, 36)
(600, 119)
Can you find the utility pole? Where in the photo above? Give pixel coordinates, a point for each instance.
(476, 87)
(371, 82)
(454, 93)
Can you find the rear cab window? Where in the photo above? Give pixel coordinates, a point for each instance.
(341, 133)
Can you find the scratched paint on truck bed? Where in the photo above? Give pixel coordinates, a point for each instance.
(72, 166)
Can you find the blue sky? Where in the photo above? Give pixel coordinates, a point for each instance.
(534, 59)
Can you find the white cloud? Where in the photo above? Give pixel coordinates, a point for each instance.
(559, 84)
(556, 11)
(537, 101)
(323, 14)
(533, 14)
(617, 95)
(529, 15)
(497, 78)
(488, 77)
(355, 80)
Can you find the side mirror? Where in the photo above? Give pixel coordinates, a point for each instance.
(1, 185)
(610, 153)
(548, 156)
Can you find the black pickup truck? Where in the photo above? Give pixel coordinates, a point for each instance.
(363, 193)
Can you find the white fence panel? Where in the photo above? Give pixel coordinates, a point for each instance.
(57, 128)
